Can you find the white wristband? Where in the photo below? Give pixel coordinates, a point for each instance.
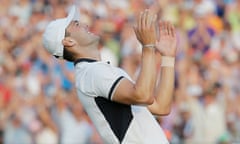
(149, 46)
(167, 61)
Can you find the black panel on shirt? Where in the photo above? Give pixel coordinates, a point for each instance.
(119, 116)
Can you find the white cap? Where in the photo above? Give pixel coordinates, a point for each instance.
(55, 33)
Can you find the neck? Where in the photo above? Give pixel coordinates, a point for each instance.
(90, 52)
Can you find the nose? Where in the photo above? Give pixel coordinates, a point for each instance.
(85, 26)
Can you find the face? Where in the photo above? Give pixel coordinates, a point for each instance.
(80, 32)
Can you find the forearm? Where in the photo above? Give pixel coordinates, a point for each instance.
(165, 87)
(145, 31)
(166, 45)
(145, 82)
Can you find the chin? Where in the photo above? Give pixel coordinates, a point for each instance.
(95, 40)
(97, 37)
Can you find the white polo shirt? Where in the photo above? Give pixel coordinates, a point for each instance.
(116, 123)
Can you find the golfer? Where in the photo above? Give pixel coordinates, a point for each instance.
(121, 109)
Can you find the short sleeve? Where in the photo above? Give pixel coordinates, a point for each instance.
(99, 79)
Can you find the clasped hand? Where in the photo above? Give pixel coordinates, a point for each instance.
(146, 33)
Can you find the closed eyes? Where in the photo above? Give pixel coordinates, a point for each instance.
(76, 23)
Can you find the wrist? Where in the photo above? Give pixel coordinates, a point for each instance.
(167, 61)
(149, 46)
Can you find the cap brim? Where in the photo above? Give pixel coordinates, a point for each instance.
(73, 15)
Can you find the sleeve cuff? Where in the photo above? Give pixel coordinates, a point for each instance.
(113, 87)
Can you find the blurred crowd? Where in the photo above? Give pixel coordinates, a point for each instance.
(38, 101)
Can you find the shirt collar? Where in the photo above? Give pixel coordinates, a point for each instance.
(84, 60)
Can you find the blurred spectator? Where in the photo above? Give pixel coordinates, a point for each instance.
(201, 35)
(215, 125)
(15, 132)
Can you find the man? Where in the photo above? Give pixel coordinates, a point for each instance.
(118, 107)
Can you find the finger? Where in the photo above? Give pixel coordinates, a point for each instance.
(168, 28)
(144, 19)
(154, 26)
(150, 19)
(159, 29)
(165, 28)
(153, 21)
(139, 25)
(161, 33)
(172, 30)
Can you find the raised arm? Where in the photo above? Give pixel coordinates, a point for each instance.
(141, 92)
(166, 45)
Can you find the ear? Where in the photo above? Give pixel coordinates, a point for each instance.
(68, 42)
